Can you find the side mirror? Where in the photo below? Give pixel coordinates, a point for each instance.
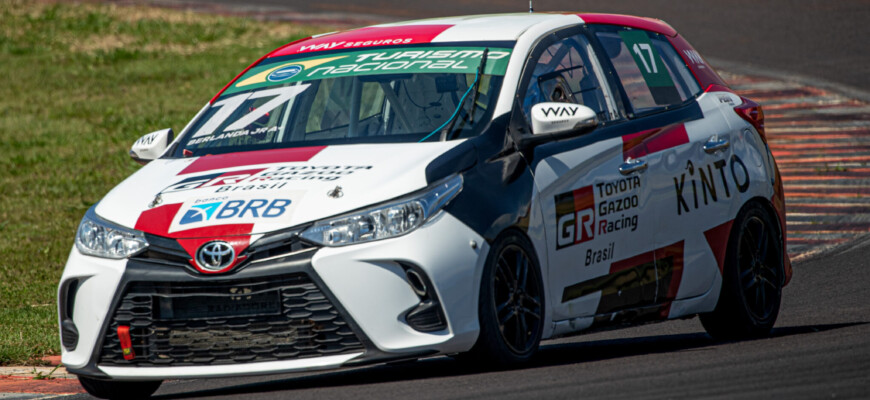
(557, 121)
(151, 146)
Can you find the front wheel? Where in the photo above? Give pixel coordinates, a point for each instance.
(119, 389)
(511, 302)
(752, 278)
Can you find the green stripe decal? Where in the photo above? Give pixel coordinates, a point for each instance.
(459, 60)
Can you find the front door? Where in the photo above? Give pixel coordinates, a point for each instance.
(593, 201)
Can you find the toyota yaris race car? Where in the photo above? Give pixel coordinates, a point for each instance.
(454, 186)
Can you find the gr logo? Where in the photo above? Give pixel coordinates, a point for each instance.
(235, 209)
(575, 217)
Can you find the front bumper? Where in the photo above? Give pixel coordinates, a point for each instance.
(365, 285)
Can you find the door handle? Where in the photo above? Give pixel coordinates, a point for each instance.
(631, 165)
(715, 144)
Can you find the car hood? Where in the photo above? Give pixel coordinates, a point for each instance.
(263, 191)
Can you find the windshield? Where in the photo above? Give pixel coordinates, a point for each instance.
(409, 94)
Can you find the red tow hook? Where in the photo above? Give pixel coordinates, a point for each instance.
(126, 342)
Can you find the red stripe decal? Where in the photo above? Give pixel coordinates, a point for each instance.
(651, 141)
(366, 37)
(220, 161)
(675, 251)
(649, 24)
(632, 262)
(157, 220)
(717, 239)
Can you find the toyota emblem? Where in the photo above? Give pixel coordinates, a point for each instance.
(215, 256)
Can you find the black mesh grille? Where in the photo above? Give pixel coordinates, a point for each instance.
(208, 323)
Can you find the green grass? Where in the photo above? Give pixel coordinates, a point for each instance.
(80, 84)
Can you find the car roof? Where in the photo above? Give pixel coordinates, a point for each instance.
(472, 28)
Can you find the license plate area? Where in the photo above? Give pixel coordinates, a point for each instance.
(208, 306)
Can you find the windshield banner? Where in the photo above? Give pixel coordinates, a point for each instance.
(409, 60)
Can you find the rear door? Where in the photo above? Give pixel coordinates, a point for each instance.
(687, 149)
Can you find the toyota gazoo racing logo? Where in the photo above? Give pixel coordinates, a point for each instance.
(220, 209)
(596, 210)
(215, 256)
(263, 179)
(284, 73)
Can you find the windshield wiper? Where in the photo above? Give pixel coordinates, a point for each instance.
(447, 126)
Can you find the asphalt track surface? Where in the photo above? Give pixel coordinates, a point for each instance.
(820, 347)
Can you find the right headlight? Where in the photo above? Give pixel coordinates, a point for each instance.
(100, 238)
(386, 221)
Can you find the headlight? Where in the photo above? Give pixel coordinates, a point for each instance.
(387, 221)
(102, 239)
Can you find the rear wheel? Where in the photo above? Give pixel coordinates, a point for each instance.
(119, 389)
(752, 278)
(511, 303)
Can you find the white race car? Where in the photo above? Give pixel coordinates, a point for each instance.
(468, 185)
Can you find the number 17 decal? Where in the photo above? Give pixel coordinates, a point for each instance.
(652, 61)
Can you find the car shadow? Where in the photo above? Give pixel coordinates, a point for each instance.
(549, 355)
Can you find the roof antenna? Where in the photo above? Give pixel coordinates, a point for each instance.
(531, 9)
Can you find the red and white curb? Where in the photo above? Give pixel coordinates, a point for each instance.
(37, 383)
(821, 142)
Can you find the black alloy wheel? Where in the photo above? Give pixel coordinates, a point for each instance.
(752, 278)
(758, 268)
(511, 307)
(517, 303)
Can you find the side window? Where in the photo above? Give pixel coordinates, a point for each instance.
(650, 70)
(677, 68)
(567, 71)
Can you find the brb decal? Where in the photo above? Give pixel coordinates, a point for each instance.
(599, 209)
(707, 176)
(211, 210)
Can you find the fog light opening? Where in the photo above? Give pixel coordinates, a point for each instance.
(69, 334)
(417, 283)
(427, 315)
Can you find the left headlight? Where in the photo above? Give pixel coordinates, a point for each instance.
(382, 222)
(100, 238)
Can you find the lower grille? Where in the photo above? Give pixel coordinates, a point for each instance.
(212, 323)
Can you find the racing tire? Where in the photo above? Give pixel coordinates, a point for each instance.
(752, 278)
(510, 306)
(119, 389)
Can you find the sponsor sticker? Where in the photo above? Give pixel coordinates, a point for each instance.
(595, 211)
(284, 73)
(263, 179)
(225, 210)
(699, 187)
(462, 60)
